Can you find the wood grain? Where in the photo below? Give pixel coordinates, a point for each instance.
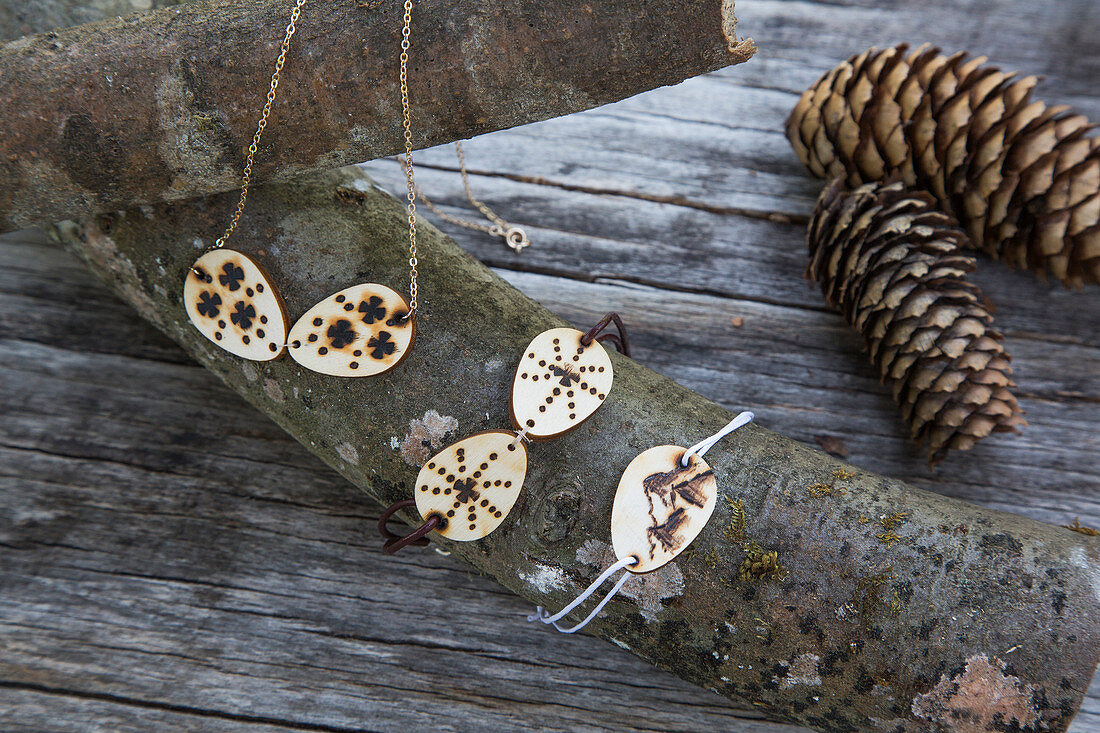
(171, 559)
(163, 558)
(559, 383)
(471, 485)
(232, 301)
(661, 506)
(361, 331)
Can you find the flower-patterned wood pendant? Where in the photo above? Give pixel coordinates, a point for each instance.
(231, 300)
(661, 506)
(358, 332)
(559, 383)
(472, 485)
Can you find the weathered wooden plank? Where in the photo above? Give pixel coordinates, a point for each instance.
(24, 17)
(589, 237)
(246, 545)
(63, 711)
(748, 263)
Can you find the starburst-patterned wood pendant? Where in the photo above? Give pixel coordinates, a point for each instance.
(472, 485)
(559, 383)
(661, 506)
(231, 300)
(360, 331)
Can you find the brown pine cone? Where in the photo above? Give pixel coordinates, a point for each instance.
(891, 262)
(1022, 177)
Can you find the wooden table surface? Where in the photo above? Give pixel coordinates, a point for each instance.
(169, 559)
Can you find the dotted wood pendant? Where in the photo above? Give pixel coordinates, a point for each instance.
(661, 506)
(231, 301)
(559, 383)
(473, 484)
(358, 332)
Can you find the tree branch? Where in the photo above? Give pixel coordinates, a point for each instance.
(885, 607)
(160, 106)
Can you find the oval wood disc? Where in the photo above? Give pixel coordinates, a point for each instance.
(661, 507)
(232, 301)
(472, 484)
(559, 383)
(357, 332)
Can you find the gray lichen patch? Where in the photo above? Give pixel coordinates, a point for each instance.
(348, 452)
(802, 670)
(274, 391)
(249, 371)
(979, 699)
(544, 578)
(649, 591)
(426, 436)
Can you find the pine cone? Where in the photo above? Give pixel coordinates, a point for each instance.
(892, 264)
(1022, 177)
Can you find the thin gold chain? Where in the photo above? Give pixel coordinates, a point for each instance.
(246, 179)
(406, 122)
(513, 236)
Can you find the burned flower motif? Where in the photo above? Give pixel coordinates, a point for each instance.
(381, 345)
(465, 491)
(208, 304)
(242, 315)
(231, 276)
(372, 310)
(567, 375)
(340, 334)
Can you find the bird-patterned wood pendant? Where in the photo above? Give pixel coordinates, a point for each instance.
(231, 300)
(661, 506)
(358, 332)
(472, 485)
(559, 383)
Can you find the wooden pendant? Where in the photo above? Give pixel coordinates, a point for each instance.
(358, 332)
(559, 383)
(472, 484)
(661, 507)
(231, 301)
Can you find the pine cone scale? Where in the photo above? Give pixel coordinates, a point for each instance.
(893, 266)
(1021, 176)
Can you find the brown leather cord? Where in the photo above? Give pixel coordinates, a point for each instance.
(417, 537)
(596, 332)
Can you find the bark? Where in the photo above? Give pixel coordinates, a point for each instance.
(883, 608)
(160, 106)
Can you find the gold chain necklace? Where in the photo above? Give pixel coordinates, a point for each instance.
(246, 179)
(406, 123)
(512, 235)
(362, 330)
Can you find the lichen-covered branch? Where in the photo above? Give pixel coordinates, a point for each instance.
(159, 106)
(818, 593)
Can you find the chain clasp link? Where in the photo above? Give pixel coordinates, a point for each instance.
(513, 236)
